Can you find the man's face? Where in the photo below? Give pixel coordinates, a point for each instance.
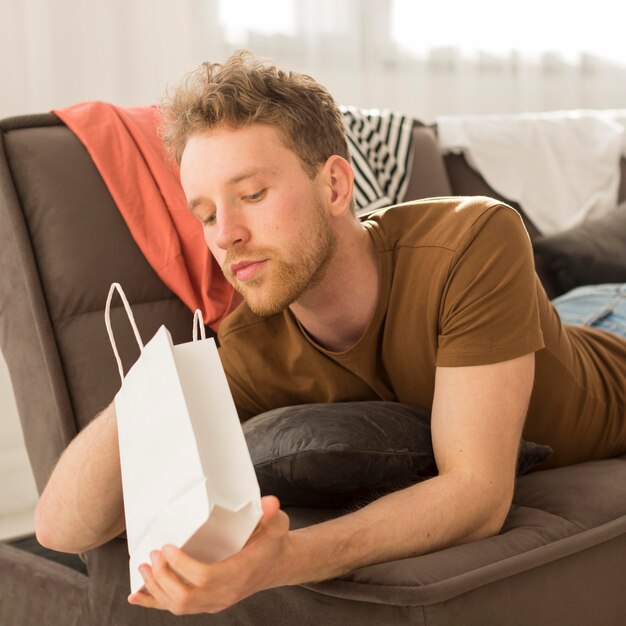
(264, 219)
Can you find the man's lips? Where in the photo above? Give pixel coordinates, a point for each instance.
(244, 270)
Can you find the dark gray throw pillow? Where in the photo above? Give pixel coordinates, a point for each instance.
(589, 254)
(336, 454)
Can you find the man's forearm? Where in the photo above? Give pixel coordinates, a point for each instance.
(429, 516)
(470, 498)
(81, 506)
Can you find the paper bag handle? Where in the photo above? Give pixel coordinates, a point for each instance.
(107, 321)
(197, 316)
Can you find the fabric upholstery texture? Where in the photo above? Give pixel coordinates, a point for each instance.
(35, 590)
(339, 454)
(428, 177)
(29, 543)
(559, 559)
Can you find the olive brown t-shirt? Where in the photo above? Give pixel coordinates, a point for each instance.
(457, 288)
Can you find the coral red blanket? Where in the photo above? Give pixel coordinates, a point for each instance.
(125, 147)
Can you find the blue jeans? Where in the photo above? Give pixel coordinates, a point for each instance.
(598, 306)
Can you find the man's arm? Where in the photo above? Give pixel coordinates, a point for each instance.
(82, 506)
(477, 418)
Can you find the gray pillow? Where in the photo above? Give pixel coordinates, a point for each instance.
(589, 254)
(336, 454)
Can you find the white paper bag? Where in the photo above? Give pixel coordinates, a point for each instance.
(187, 476)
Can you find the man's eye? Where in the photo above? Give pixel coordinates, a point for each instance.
(255, 197)
(209, 220)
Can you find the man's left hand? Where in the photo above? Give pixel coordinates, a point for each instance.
(178, 583)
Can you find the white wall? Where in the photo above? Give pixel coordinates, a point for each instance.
(18, 493)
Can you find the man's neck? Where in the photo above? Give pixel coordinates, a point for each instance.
(337, 311)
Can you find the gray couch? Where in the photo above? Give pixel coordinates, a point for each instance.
(560, 558)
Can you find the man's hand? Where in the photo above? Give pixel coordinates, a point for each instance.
(180, 584)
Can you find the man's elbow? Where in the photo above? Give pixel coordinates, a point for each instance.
(490, 503)
(494, 519)
(47, 532)
(74, 538)
(44, 529)
(491, 528)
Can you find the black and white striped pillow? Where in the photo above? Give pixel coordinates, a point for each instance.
(380, 144)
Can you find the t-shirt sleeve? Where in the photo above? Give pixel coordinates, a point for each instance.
(489, 309)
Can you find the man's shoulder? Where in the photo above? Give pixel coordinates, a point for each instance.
(440, 222)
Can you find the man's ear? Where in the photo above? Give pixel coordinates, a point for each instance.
(339, 181)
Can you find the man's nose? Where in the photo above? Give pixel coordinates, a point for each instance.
(231, 229)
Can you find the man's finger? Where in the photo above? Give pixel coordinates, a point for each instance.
(275, 521)
(152, 586)
(143, 598)
(172, 584)
(270, 505)
(188, 568)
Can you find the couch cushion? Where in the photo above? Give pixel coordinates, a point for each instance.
(556, 514)
(34, 590)
(30, 544)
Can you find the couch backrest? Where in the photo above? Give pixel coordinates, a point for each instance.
(62, 243)
(428, 177)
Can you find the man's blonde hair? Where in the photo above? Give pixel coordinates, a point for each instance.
(246, 90)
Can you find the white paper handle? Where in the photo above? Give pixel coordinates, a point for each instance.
(198, 316)
(107, 321)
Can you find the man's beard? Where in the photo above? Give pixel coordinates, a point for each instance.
(287, 279)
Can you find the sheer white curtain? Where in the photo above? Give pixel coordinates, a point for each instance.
(424, 58)
(489, 56)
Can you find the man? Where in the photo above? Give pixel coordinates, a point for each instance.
(434, 304)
